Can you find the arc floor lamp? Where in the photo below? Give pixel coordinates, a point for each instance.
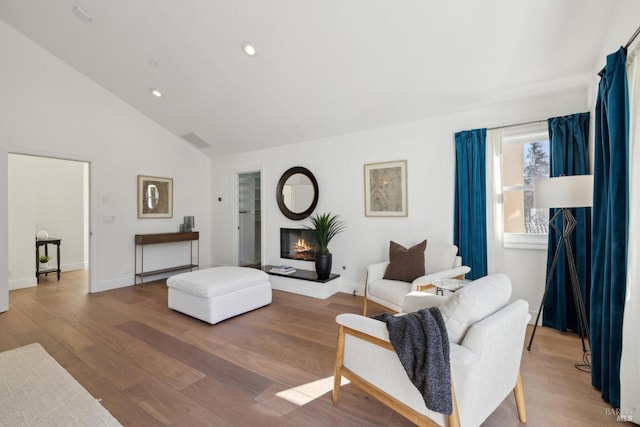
(563, 193)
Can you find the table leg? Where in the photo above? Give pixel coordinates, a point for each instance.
(58, 256)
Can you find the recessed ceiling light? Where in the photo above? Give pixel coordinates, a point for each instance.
(156, 93)
(248, 48)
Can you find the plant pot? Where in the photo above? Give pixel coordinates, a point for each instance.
(44, 265)
(323, 266)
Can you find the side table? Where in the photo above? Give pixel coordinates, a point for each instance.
(450, 285)
(46, 243)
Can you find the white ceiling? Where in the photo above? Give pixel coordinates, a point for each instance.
(323, 67)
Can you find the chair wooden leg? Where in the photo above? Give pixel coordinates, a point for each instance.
(518, 393)
(454, 418)
(337, 377)
(364, 308)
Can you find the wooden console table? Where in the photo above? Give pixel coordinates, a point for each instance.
(158, 238)
(46, 243)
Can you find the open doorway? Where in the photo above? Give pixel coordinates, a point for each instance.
(249, 219)
(50, 197)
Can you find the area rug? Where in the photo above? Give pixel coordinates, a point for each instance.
(36, 391)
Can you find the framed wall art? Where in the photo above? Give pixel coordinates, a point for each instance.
(155, 197)
(385, 189)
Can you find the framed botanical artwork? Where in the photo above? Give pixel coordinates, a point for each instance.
(385, 189)
(155, 197)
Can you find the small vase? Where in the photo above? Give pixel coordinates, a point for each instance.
(323, 266)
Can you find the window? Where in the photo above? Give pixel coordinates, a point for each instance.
(525, 159)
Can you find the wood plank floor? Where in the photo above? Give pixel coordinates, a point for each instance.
(153, 366)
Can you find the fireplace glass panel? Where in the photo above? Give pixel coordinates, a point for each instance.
(297, 243)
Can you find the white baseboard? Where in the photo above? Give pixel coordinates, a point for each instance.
(30, 282)
(107, 285)
(73, 266)
(533, 314)
(349, 288)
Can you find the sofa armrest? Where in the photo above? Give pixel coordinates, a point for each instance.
(376, 271)
(457, 262)
(445, 274)
(461, 356)
(415, 301)
(366, 325)
(504, 329)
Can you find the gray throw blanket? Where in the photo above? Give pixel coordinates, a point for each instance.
(422, 344)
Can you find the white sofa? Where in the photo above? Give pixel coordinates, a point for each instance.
(441, 262)
(486, 337)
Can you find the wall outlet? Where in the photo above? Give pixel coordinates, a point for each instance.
(108, 219)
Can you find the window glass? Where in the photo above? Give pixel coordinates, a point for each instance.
(512, 166)
(524, 160)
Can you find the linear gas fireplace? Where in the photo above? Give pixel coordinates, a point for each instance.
(297, 243)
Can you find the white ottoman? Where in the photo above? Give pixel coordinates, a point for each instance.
(215, 294)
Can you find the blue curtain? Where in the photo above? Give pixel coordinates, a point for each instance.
(470, 215)
(610, 227)
(569, 155)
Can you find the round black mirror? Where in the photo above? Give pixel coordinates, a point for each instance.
(297, 193)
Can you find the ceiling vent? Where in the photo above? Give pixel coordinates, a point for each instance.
(196, 140)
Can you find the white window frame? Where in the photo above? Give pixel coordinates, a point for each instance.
(522, 135)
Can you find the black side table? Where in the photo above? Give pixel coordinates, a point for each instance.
(46, 243)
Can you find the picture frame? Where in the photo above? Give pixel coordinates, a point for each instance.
(155, 197)
(385, 189)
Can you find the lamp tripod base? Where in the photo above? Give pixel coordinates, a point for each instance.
(568, 224)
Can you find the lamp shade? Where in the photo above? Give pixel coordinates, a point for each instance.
(574, 191)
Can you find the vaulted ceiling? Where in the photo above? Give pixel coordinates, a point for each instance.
(322, 67)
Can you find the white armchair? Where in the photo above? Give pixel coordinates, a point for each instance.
(441, 262)
(486, 342)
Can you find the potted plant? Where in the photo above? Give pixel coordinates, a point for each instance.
(44, 261)
(325, 227)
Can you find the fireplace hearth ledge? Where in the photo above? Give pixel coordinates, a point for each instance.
(304, 282)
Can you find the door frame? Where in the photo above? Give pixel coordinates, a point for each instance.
(91, 272)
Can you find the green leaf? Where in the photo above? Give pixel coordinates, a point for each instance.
(325, 227)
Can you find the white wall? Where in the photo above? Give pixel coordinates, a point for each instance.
(45, 194)
(49, 109)
(22, 217)
(337, 162)
(4, 233)
(623, 24)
